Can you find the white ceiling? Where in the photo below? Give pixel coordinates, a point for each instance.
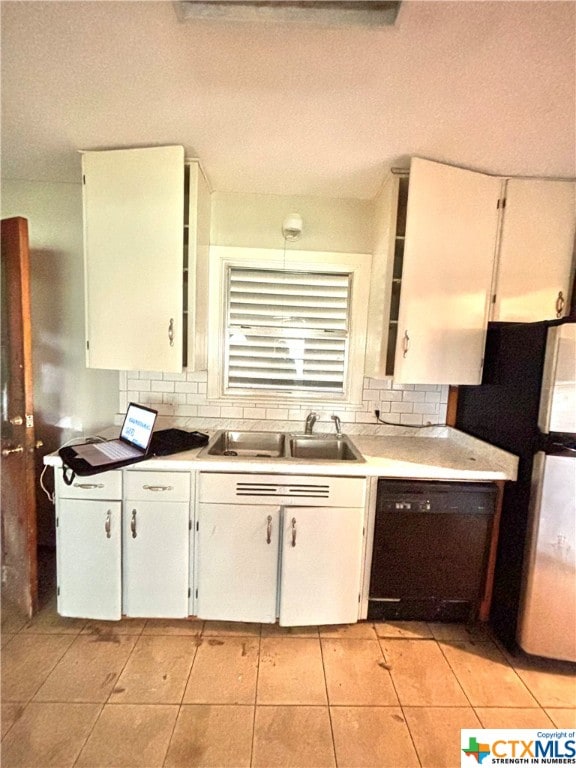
(287, 108)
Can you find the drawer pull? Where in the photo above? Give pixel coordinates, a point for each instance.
(108, 524)
(269, 529)
(158, 487)
(88, 486)
(133, 524)
(293, 531)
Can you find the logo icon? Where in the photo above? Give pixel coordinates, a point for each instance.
(474, 749)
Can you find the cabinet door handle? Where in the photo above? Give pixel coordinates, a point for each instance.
(405, 344)
(158, 487)
(171, 331)
(269, 529)
(133, 524)
(108, 524)
(88, 486)
(560, 304)
(293, 531)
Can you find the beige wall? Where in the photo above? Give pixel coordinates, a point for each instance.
(69, 400)
(330, 224)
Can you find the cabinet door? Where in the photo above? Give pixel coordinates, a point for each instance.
(199, 213)
(321, 565)
(88, 538)
(155, 568)
(237, 562)
(536, 250)
(133, 258)
(447, 276)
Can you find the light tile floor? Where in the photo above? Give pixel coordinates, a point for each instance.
(192, 693)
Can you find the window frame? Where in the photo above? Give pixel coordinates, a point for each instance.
(358, 265)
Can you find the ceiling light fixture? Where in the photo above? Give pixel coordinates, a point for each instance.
(292, 227)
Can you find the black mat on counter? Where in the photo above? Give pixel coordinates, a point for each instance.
(168, 441)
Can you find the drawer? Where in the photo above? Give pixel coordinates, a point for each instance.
(157, 486)
(107, 485)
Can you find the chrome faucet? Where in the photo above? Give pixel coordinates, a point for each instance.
(310, 421)
(337, 424)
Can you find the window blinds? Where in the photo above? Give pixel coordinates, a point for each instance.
(287, 329)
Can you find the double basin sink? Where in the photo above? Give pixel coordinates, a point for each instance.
(280, 445)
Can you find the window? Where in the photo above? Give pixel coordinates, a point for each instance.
(288, 330)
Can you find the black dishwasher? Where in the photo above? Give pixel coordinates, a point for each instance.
(431, 542)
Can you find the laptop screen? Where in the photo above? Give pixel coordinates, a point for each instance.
(138, 425)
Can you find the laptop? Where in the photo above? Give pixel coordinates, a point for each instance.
(133, 443)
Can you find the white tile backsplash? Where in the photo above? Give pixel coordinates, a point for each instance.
(181, 400)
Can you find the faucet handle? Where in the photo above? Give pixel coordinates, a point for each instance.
(310, 421)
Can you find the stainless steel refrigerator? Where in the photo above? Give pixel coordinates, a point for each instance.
(527, 405)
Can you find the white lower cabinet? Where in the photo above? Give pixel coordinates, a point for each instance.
(321, 565)
(128, 557)
(155, 559)
(88, 540)
(155, 568)
(258, 561)
(237, 562)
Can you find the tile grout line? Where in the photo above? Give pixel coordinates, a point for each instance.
(184, 688)
(389, 670)
(90, 732)
(488, 642)
(255, 699)
(107, 701)
(328, 699)
(453, 671)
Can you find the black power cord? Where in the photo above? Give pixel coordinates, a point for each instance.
(410, 426)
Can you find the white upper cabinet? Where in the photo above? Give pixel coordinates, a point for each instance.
(447, 274)
(133, 255)
(536, 250)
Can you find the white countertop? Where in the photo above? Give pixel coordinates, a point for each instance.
(447, 454)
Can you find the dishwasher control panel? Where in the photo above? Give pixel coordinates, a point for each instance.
(435, 497)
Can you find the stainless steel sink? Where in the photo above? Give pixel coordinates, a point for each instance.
(323, 447)
(268, 445)
(277, 445)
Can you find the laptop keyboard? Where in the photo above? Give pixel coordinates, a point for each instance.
(117, 450)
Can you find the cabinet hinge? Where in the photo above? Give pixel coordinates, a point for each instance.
(189, 592)
(197, 526)
(494, 299)
(189, 525)
(87, 344)
(58, 591)
(57, 522)
(501, 203)
(83, 178)
(196, 594)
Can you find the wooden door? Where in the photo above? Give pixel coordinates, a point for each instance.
(19, 557)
